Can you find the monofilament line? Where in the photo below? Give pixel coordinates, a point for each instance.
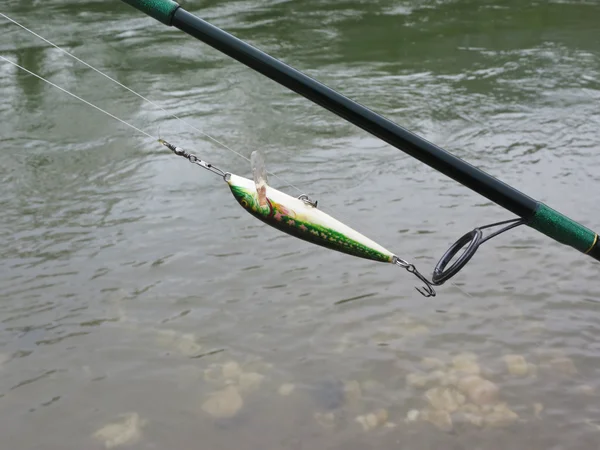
(110, 78)
(141, 96)
(76, 96)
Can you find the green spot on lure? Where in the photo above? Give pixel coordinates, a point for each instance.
(299, 216)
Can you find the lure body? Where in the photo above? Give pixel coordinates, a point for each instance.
(299, 219)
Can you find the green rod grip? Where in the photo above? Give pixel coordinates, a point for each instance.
(564, 230)
(161, 10)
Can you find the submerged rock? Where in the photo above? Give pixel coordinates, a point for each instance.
(231, 370)
(470, 408)
(437, 376)
(478, 390)
(501, 416)
(473, 414)
(373, 420)
(468, 418)
(166, 338)
(213, 373)
(232, 374)
(422, 380)
(466, 363)
(382, 416)
(412, 415)
(440, 419)
(563, 365)
(417, 380)
(429, 363)
(326, 420)
(464, 357)
(445, 399)
(126, 432)
(286, 389)
(224, 403)
(186, 345)
(449, 378)
(368, 421)
(249, 382)
(516, 365)
(474, 419)
(486, 409)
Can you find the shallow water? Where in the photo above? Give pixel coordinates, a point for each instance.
(125, 272)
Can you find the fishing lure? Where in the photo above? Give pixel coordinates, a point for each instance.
(299, 216)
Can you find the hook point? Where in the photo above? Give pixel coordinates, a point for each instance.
(426, 292)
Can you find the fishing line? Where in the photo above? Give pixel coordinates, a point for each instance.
(179, 151)
(77, 97)
(142, 97)
(146, 99)
(187, 155)
(191, 126)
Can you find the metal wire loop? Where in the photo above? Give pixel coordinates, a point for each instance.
(193, 158)
(306, 199)
(472, 240)
(427, 290)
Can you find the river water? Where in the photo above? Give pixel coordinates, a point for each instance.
(134, 291)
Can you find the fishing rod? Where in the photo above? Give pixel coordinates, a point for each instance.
(531, 212)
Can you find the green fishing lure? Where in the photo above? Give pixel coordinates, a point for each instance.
(299, 217)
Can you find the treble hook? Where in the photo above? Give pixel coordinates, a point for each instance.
(425, 291)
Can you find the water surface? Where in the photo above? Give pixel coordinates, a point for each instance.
(122, 267)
